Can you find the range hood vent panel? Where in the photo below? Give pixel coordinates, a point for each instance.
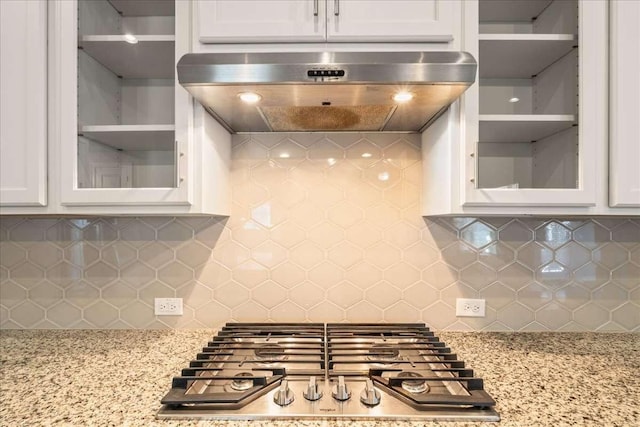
(327, 91)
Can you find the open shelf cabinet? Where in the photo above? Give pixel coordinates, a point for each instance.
(126, 94)
(529, 82)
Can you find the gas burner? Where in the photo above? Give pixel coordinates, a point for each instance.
(270, 353)
(241, 384)
(384, 353)
(413, 386)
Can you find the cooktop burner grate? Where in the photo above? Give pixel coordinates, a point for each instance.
(288, 370)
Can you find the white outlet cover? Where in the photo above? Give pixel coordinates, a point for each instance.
(168, 307)
(467, 307)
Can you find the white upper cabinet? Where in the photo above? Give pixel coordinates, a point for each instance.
(23, 104)
(272, 21)
(624, 116)
(391, 20)
(260, 21)
(531, 136)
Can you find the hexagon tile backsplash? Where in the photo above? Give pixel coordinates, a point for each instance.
(323, 228)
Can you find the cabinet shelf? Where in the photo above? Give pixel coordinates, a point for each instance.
(521, 56)
(144, 7)
(151, 58)
(132, 137)
(522, 127)
(511, 11)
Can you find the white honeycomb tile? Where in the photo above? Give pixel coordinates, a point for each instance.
(401, 312)
(496, 255)
(289, 193)
(175, 274)
(363, 234)
(27, 314)
(573, 255)
(11, 254)
(45, 294)
(402, 275)
(12, 294)
(627, 234)
(627, 275)
(591, 235)
(497, 295)
(365, 312)
(26, 275)
(515, 234)
(306, 254)
(609, 295)
(326, 312)
(251, 311)
(137, 314)
(439, 315)
(288, 234)
(64, 314)
(269, 294)
(516, 315)
(401, 235)
(345, 254)
(627, 315)
(44, 254)
(194, 294)
(326, 235)
(118, 294)
(420, 255)
(459, 255)
(193, 254)
(269, 214)
(212, 274)
(118, 254)
(478, 234)
(363, 275)
(156, 254)
(421, 295)
(534, 296)
(212, 314)
(269, 254)
(553, 316)
(137, 275)
(326, 274)
(383, 255)
(383, 295)
(439, 275)
(287, 312)
(307, 295)
(138, 234)
(572, 296)
(288, 274)
(100, 314)
(553, 234)
(478, 275)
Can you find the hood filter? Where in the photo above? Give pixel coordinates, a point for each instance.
(327, 118)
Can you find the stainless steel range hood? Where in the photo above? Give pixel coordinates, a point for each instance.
(327, 91)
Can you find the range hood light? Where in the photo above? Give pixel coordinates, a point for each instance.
(514, 99)
(403, 97)
(130, 38)
(366, 155)
(249, 97)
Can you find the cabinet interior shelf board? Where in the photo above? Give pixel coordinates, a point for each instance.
(521, 56)
(522, 127)
(151, 58)
(511, 11)
(132, 137)
(144, 7)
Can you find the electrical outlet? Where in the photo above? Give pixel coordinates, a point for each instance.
(168, 306)
(466, 307)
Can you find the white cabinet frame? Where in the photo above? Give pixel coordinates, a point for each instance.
(24, 104)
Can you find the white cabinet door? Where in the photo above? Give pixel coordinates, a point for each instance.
(109, 98)
(624, 114)
(554, 142)
(23, 107)
(260, 21)
(391, 20)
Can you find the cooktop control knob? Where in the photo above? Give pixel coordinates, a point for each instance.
(312, 392)
(284, 395)
(370, 396)
(340, 391)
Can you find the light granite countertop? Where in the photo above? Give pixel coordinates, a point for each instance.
(117, 377)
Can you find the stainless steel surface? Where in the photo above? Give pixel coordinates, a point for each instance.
(370, 396)
(336, 7)
(341, 391)
(312, 392)
(267, 371)
(389, 408)
(283, 395)
(301, 86)
(315, 7)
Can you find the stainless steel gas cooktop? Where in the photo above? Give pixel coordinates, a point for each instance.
(315, 370)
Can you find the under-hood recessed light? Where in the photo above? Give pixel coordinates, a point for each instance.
(130, 38)
(403, 97)
(249, 97)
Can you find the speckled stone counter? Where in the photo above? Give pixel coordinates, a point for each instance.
(117, 377)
